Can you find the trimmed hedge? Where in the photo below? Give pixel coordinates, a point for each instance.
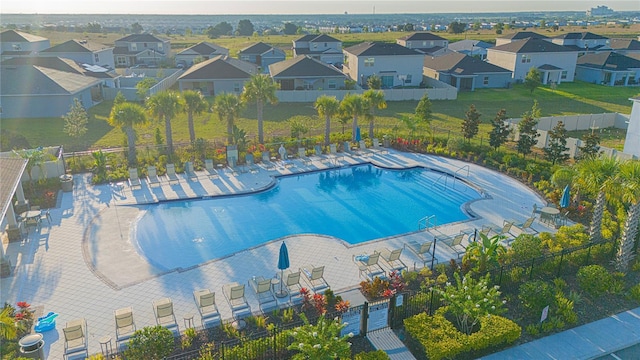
(440, 339)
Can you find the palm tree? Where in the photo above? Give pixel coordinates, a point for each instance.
(8, 326)
(596, 177)
(260, 88)
(125, 116)
(629, 187)
(376, 100)
(165, 104)
(354, 105)
(486, 251)
(228, 107)
(327, 106)
(194, 103)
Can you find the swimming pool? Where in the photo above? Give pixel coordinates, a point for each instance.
(356, 204)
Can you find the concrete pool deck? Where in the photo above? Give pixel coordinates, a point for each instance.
(84, 265)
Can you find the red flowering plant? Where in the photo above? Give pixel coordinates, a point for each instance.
(24, 311)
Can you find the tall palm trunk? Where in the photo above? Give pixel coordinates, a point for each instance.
(354, 128)
(595, 232)
(230, 130)
(131, 142)
(371, 125)
(192, 130)
(327, 130)
(624, 255)
(167, 131)
(259, 108)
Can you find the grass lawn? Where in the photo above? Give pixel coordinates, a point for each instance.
(568, 98)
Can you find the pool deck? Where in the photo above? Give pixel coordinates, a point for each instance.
(84, 266)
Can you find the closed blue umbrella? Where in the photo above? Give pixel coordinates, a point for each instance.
(283, 262)
(566, 195)
(358, 134)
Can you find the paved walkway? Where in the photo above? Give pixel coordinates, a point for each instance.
(85, 266)
(589, 341)
(387, 340)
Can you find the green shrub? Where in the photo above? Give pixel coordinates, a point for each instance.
(535, 295)
(372, 355)
(634, 292)
(150, 343)
(594, 279)
(525, 247)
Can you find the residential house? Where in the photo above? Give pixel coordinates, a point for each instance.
(262, 55)
(47, 93)
(473, 48)
(631, 143)
(396, 65)
(520, 35)
(16, 43)
(625, 46)
(466, 72)
(424, 42)
(141, 49)
(322, 47)
(557, 63)
(217, 75)
(583, 42)
(306, 73)
(608, 68)
(83, 52)
(202, 51)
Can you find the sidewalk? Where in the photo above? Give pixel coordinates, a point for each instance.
(589, 341)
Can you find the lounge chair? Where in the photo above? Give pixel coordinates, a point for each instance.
(363, 148)
(210, 169)
(234, 294)
(171, 174)
(163, 311)
(423, 251)
(190, 171)
(266, 161)
(392, 258)
(314, 277)
(302, 155)
(505, 231)
(455, 244)
(262, 288)
(125, 327)
(347, 149)
(368, 265)
(206, 302)
(75, 337)
(317, 152)
(152, 176)
(333, 152)
(251, 165)
(292, 283)
(378, 148)
(526, 226)
(134, 180)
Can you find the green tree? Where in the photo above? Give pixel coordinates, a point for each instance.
(528, 133)
(499, 130)
(119, 99)
(194, 103)
(245, 28)
(408, 27)
(260, 89)
(321, 341)
(498, 28)
(628, 180)
(227, 106)
(220, 29)
(355, 106)
(591, 147)
(136, 28)
(374, 82)
(76, 120)
(299, 126)
(290, 28)
(125, 116)
(471, 123)
(532, 79)
(456, 27)
(142, 88)
(487, 251)
(150, 343)
(35, 158)
(557, 147)
(165, 105)
(8, 325)
(423, 111)
(327, 107)
(477, 25)
(375, 100)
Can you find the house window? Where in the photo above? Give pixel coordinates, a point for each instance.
(121, 60)
(424, 43)
(160, 46)
(325, 44)
(485, 80)
(236, 87)
(526, 59)
(96, 58)
(563, 76)
(145, 44)
(17, 47)
(431, 43)
(315, 46)
(407, 79)
(369, 62)
(331, 84)
(134, 47)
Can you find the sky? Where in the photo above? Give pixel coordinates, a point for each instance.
(231, 7)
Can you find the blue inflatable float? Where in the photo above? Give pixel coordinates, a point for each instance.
(46, 323)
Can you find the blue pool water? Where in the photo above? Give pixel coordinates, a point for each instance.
(355, 204)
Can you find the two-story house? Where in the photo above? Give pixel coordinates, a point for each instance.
(16, 43)
(83, 52)
(396, 65)
(556, 63)
(219, 74)
(583, 42)
(262, 55)
(322, 47)
(306, 73)
(141, 49)
(202, 51)
(424, 42)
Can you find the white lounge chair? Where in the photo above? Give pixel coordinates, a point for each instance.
(347, 149)
(333, 152)
(422, 250)
(125, 326)
(314, 277)
(163, 311)
(171, 174)
(525, 226)
(368, 265)
(152, 176)
(75, 337)
(266, 161)
(378, 148)
(292, 282)
(210, 169)
(251, 165)
(234, 294)
(134, 179)
(504, 231)
(392, 258)
(206, 302)
(190, 171)
(364, 151)
(262, 288)
(455, 244)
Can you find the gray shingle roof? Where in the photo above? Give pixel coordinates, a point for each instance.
(420, 36)
(608, 60)
(256, 49)
(324, 38)
(303, 66)
(524, 35)
(468, 45)
(19, 36)
(461, 64)
(141, 38)
(548, 67)
(220, 67)
(12, 169)
(43, 81)
(56, 63)
(377, 49)
(624, 44)
(77, 46)
(531, 45)
(205, 48)
(580, 35)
